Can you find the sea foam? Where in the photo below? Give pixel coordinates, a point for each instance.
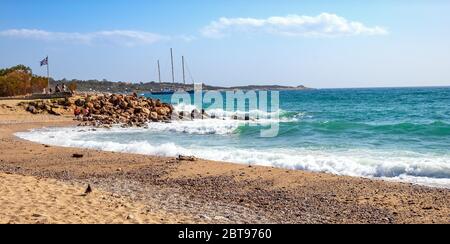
(254, 115)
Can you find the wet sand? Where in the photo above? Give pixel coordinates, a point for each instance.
(167, 190)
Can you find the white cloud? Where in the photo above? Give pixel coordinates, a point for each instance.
(121, 37)
(325, 24)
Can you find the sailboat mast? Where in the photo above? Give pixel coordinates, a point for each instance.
(173, 73)
(159, 72)
(184, 76)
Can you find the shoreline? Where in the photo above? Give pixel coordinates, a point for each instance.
(205, 191)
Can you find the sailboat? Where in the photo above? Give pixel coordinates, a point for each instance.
(168, 91)
(164, 92)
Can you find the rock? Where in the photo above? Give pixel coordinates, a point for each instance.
(220, 218)
(76, 155)
(186, 158)
(55, 111)
(205, 115)
(88, 190)
(65, 102)
(154, 116)
(204, 216)
(123, 104)
(158, 103)
(41, 105)
(164, 111)
(195, 114)
(80, 103)
(32, 109)
(143, 104)
(146, 111)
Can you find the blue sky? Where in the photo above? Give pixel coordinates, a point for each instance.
(316, 43)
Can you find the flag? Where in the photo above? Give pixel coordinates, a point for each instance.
(44, 62)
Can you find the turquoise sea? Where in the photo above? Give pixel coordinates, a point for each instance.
(400, 134)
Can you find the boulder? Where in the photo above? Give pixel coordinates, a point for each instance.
(143, 104)
(154, 116)
(195, 114)
(146, 111)
(55, 111)
(80, 103)
(114, 99)
(164, 111)
(131, 111)
(123, 104)
(32, 109)
(41, 105)
(158, 103)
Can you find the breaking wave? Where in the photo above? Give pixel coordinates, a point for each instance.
(251, 115)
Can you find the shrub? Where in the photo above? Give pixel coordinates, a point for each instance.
(18, 80)
(72, 86)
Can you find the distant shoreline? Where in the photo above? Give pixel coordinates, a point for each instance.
(128, 87)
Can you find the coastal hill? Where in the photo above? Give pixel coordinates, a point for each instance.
(126, 87)
(20, 80)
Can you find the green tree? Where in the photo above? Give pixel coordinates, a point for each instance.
(19, 67)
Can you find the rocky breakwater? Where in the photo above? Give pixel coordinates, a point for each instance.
(105, 110)
(126, 110)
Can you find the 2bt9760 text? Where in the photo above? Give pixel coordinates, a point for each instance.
(246, 233)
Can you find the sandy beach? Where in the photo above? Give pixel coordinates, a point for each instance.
(45, 184)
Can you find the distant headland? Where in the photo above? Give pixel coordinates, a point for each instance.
(126, 87)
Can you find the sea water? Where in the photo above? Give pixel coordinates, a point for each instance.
(400, 134)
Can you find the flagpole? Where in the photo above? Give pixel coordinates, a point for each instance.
(48, 73)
